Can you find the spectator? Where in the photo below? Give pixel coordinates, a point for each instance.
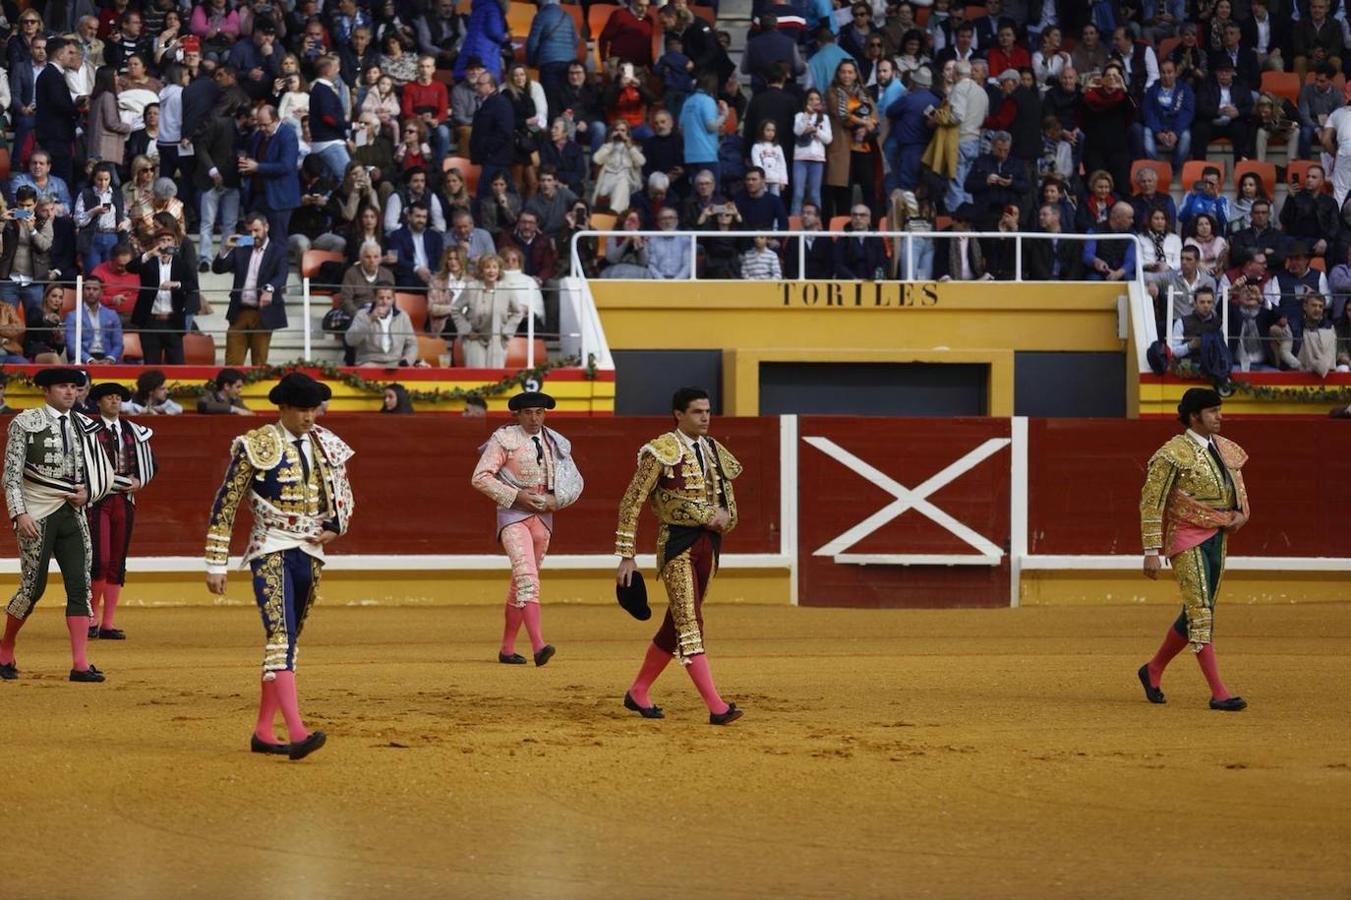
(100, 332)
(525, 288)
(257, 296)
(669, 258)
(440, 32)
(653, 200)
(553, 200)
(1266, 34)
(1335, 138)
(701, 121)
(912, 56)
(1309, 214)
(627, 35)
(1019, 113)
(426, 100)
(675, 70)
(1168, 111)
(551, 44)
(1109, 113)
(812, 130)
(1001, 254)
(1275, 119)
(767, 47)
(382, 335)
(968, 106)
(1089, 55)
(1250, 190)
(777, 105)
(1189, 279)
(26, 60)
(396, 401)
(579, 104)
(960, 257)
(499, 210)
(1139, 64)
(1009, 54)
(1188, 330)
(476, 241)
(663, 150)
(849, 160)
(822, 65)
(55, 113)
(168, 283)
(272, 163)
(963, 48)
(1148, 197)
(1283, 292)
(44, 331)
(1112, 260)
(1318, 100)
(1224, 108)
(11, 345)
(1050, 60)
(446, 291)
(1306, 342)
(759, 208)
(1065, 101)
(216, 177)
(539, 259)
(465, 100)
(416, 249)
(99, 214)
(1205, 198)
(361, 279)
(1204, 234)
(415, 191)
(396, 61)
(531, 118)
(120, 286)
(565, 161)
(1052, 259)
(1316, 40)
(698, 207)
(1250, 272)
(151, 397)
(813, 256)
(1161, 249)
(1247, 68)
(996, 180)
(491, 146)
(760, 263)
(621, 168)
(860, 258)
(224, 396)
(1259, 236)
(107, 132)
(1249, 329)
(25, 245)
(40, 178)
(722, 251)
(489, 317)
(702, 44)
(626, 257)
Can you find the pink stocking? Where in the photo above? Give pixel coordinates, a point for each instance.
(1173, 644)
(1211, 669)
(78, 626)
(703, 680)
(96, 589)
(290, 705)
(268, 705)
(111, 594)
(12, 626)
(653, 664)
(514, 616)
(531, 614)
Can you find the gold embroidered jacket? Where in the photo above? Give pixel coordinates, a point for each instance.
(1183, 485)
(681, 493)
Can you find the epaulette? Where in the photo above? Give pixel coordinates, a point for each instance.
(86, 424)
(139, 431)
(32, 420)
(563, 444)
(262, 446)
(336, 450)
(1180, 451)
(509, 436)
(730, 466)
(666, 449)
(1233, 455)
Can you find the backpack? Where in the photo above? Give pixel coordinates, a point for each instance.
(1214, 359)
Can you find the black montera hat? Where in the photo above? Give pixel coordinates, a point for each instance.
(108, 388)
(59, 375)
(1195, 400)
(531, 400)
(299, 390)
(634, 597)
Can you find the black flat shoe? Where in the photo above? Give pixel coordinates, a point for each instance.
(93, 632)
(258, 745)
(514, 659)
(1233, 704)
(647, 712)
(726, 718)
(1152, 694)
(90, 675)
(9, 672)
(545, 654)
(112, 634)
(307, 746)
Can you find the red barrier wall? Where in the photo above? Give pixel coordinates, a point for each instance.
(411, 477)
(1084, 478)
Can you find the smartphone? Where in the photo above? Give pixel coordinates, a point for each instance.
(21, 213)
(245, 240)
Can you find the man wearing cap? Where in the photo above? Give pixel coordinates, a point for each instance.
(1193, 499)
(687, 477)
(294, 476)
(528, 471)
(53, 466)
(127, 448)
(160, 314)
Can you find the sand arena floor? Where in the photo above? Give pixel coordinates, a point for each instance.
(883, 754)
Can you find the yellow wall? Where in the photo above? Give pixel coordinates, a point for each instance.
(1088, 588)
(838, 321)
(1161, 399)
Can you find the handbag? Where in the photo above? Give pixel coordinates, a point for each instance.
(336, 321)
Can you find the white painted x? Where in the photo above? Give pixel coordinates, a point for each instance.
(907, 498)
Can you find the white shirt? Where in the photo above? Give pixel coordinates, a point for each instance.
(419, 249)
(170, 114)
(164, 300)
(248, 295)
(386, 341)
(95, 328)
(966, 273)
(305, 445)
(321, 146)
(115, 426)
(1340, 123)
(702, 444)
(1263, 33)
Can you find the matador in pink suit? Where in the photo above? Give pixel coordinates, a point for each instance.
(527, 470)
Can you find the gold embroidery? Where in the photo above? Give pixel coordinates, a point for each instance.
(678, 576)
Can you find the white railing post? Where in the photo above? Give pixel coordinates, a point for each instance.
(1224, 311)
(79, 319)
(1168, 315)
(1018, 257)
(694, 256)
(802, 256)
(910, 257)
(530, 339)
(305, 306)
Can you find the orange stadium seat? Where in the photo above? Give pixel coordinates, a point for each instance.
(131, 347)
(415, 306)
(1165, 48)
(602, 221)
(430, 349)
(516, 352)
(67, 301)
(1192, 169)
(1317, 262)
(578, 20)
(794, 223)
(706, 13)
(837, 223)
(457, 353)
(1161, 168)
(1264, 170)
(1282, 84)
(199, 350)
(4, 165)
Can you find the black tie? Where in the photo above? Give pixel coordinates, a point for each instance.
(539, 450)
(65, 441)
(304, 463)
(699, 454)
(1215, 455)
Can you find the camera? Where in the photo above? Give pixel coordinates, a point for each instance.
(21, 213)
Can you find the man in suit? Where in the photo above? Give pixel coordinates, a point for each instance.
(274, 170)
(168, 283)
(766, 49)
(56, 112)
(860, 258)
(101, 331)
(418, 249)
(816, 244)
(1266, 33)
(490, 138)
(1224, 108)
(216, 177)
(258, 294)
(1247, 68)
(22, 82)
(1052, 259)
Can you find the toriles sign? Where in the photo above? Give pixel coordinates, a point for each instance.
(860, 294)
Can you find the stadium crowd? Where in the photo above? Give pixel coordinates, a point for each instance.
(423, 148)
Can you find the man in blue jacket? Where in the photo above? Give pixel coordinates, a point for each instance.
(551, 45)
(490, 137)
(1169, 109)
(101, 331)
(418, 249)
(274, 172)
(258, 294)
(328, 122)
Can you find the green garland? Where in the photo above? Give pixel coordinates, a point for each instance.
(179, 391)
(1294, 393)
